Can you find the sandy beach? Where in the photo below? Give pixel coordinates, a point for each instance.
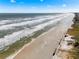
(44, 46)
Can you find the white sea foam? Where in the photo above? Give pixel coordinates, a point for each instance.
(14, 20)
(11, 38)
(38, 21)
(41, 26)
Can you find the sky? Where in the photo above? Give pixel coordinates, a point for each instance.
(38, 6)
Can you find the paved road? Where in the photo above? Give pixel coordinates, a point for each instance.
(44, 46)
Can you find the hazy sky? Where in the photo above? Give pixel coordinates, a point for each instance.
(31, 6)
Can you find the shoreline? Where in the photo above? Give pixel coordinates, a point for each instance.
(33, 39)
(13, 55)
(43, 45)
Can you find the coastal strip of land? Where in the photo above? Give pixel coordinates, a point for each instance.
(44, 46)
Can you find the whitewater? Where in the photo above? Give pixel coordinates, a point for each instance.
(12, 29)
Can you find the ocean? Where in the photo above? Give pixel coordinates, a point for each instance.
(14, 26)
